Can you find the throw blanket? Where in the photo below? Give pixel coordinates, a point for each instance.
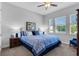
(40, 42)
(36, 42)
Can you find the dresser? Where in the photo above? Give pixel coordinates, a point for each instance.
(14, 42)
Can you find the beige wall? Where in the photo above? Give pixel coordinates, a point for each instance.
(13, 16)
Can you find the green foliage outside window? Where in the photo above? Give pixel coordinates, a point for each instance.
(73, 24)
(73, 28)
(61, 28)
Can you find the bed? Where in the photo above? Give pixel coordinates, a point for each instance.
(39, 45)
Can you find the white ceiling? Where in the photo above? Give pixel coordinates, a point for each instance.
(32, 6)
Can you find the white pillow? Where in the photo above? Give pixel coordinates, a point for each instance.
(41, 33)
(29, 33)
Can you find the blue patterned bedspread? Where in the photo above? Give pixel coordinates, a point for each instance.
(40, 42)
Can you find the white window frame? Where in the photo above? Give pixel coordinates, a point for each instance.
(65, 28)
(52, 26)
(70, 24)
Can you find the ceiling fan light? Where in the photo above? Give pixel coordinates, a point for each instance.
(47, 5)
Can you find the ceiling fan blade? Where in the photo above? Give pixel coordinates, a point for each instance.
(53, 5)
(40, 5)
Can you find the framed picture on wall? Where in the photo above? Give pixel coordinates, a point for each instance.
(30, 26)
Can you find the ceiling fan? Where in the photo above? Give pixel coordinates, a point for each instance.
(47, 5)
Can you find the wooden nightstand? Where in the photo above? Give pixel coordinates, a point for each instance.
(14, 42)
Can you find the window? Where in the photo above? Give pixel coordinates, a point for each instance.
(51, 26)
(73, 24)
(60, 24)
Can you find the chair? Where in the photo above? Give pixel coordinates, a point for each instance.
(73, 42)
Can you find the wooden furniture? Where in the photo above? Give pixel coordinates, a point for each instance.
(14, 42)
(78, 32)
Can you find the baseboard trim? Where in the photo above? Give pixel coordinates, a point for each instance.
(5, 46)
(65, 42)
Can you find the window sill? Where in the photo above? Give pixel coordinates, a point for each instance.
(61, 32)
(74, 34)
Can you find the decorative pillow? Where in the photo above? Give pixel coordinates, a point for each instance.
(23, 33)
(35, 33)
(41, 33)
(29, 33)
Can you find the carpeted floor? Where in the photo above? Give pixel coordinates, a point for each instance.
(62, 50)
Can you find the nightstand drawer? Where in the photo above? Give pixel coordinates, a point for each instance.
(14, 42)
